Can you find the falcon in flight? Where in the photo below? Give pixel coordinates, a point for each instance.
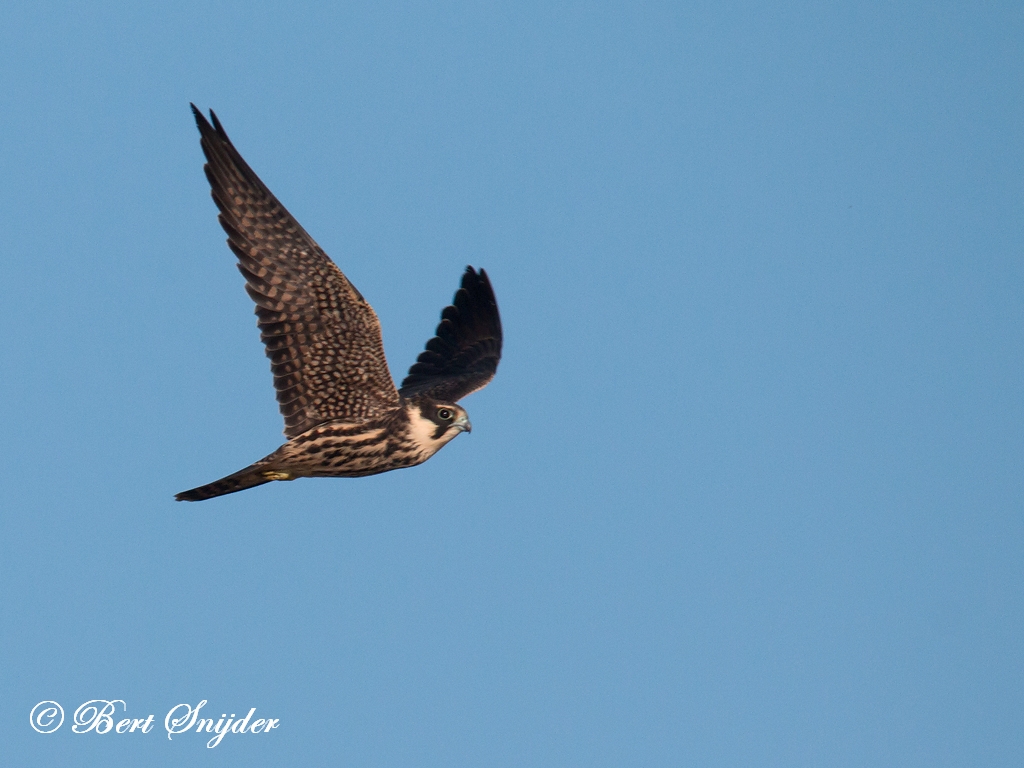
(343, 416)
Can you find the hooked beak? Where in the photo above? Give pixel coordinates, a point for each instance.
(463, 424)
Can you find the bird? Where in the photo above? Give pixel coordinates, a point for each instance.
(343, 414)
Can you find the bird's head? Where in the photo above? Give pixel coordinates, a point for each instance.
(434, 424)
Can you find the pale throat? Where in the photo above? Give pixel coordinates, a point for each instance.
(422, 430)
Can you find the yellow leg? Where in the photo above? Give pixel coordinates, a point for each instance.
(273, 475)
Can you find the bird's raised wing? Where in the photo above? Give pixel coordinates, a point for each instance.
(464, 354)
(322, 338)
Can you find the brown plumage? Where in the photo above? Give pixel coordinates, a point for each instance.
(343, 415)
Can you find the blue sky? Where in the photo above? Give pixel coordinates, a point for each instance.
(746, 490)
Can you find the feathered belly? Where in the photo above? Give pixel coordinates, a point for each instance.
(348, 450)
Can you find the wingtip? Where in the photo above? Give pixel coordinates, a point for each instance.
(472, 278)
(219, 128)
(201, 122)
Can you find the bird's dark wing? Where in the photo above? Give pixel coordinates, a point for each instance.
(464, 354)
(322, 338)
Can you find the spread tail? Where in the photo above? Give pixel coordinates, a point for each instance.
(250, 477)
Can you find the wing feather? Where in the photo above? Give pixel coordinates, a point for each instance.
(463, 356)
(323, 339)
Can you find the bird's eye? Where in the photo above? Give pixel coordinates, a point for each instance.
(444, 414)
